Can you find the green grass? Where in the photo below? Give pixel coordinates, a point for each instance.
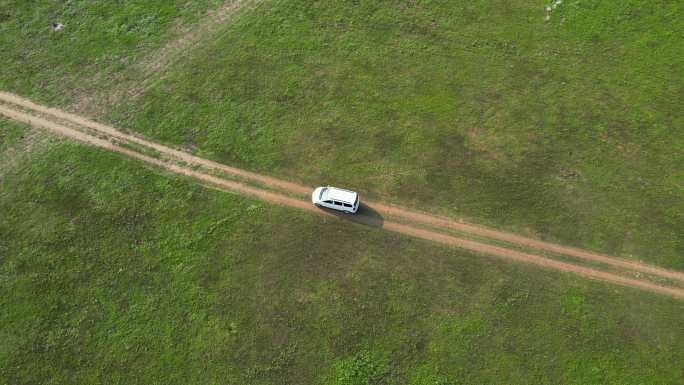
(100, 40)
(566, 129)
(112, 272)
(10, 135)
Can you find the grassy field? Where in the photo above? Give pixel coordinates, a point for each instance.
(567, 128)
(112, 272)
(100, 41)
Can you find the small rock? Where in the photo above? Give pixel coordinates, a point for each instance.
(57, 26)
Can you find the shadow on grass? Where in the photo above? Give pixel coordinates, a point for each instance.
(365, 216)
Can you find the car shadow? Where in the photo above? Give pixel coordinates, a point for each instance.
(365, 216)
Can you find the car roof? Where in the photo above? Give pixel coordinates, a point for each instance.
(339, 194)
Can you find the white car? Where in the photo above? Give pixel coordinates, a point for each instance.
(336, 199)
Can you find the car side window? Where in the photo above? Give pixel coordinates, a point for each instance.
(328, 202)
(347, 205)
(338, 203)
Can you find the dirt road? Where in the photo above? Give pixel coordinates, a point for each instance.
(385, 210)
(91, 133)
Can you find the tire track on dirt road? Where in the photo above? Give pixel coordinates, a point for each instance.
(390, 211)
(278, 198)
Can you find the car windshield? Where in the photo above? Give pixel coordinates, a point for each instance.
(323, 191)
